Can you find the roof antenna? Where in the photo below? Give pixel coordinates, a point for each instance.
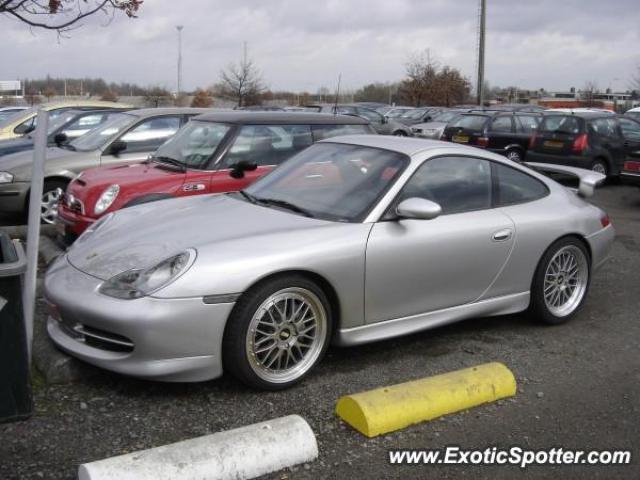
(335, 107)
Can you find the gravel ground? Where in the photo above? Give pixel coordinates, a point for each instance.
(578, 387)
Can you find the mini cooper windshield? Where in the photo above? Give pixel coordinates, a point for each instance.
(193, 145)
(331, 181)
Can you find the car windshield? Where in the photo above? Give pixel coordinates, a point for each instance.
(471, 122)
(194, 144)
(414, 114)
(445, 117)
(102, 135)
(332, 181)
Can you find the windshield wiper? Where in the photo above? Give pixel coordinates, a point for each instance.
(171, 161)
(284, 204)
(250, 198)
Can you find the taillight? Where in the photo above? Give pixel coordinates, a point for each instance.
(532, 140)
(604, 220)
(483, 141)
(580, 143)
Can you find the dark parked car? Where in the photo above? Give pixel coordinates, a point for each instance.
(64, 128)
(505, 133)
(600, 142)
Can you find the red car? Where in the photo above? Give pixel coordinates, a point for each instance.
(213, 153)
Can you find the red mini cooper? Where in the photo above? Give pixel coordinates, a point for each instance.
(212, 153)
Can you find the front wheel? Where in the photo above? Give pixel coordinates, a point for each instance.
(51, 193)
(561, 282)
(277, 332)
(400, 133)
(600, 166)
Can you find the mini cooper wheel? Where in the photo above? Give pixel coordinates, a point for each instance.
(277, 333)
(561, 282)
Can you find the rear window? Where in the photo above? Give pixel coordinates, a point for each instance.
(472, 122)
(560, 124)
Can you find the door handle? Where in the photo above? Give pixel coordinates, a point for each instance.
(502, 235)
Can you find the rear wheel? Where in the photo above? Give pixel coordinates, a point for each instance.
(561, 282)
(400, 133)
(277, 332)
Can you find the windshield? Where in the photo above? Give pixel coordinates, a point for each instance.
(471, 122)
(194, 144)
(414, 114)
(445, 117)
(102, 135)
(331, 181)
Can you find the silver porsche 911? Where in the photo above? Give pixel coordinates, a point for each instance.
(354, 240)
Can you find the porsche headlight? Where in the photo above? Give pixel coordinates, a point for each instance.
(106, 199)
(6, 177)
(139, 283)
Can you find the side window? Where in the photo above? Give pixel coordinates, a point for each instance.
(267, 144)
(83, 124)
(501, 124)
(26, 126)
(527, 124)
(151, 133)
(630, 129)
(370, 115)
(321, 132)
(458, 184)
(344, 110)
(605, 127)
(516, 187)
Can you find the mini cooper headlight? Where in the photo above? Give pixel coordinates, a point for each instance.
(106, 199)
(139, 283)
(6, 177)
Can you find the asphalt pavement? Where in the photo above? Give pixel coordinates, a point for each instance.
(578, 387)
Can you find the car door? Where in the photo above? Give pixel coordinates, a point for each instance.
(631, 134)
(609, 138)
(501, 132)
(143, 138)
(265, 145)
(419, 266)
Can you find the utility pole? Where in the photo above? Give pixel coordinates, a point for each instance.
(179, 28)
(481, 34)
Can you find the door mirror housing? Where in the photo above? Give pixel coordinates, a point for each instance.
(418, 208)
(117, 147)
(242, 166)
(60, 139)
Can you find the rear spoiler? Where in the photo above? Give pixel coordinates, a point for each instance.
(589, 179)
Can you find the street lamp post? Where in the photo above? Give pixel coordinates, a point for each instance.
(179, 28)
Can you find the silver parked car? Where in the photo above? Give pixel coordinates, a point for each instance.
(435, 128)
(126, 137)
(353, 240)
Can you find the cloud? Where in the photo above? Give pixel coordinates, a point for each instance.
(304, 45)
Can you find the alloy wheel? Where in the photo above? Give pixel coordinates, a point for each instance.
(565, 280)
(49, 205)
(599, 167)
(286, 335)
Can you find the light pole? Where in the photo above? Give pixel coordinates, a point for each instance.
(179, 28)
(481, 32)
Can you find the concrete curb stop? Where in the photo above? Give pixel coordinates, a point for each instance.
(242, 453)
(391, 408)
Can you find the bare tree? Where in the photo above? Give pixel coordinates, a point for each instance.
(202, 99)
(49, 92)
(156, 96)
(587, 94)
(242, 82)
(32, 97)
(63, 15)
(109, 96)
(421, 71)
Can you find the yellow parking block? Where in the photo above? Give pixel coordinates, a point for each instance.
(391, 408)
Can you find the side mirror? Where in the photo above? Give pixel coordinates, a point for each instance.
(60, 139)
(418, 208)
(242, 166)
(117, 147)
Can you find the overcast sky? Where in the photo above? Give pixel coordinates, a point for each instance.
(304, 44)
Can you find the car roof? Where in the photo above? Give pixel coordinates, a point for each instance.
(153, 112)
(579, 114)
(406, 145)
(82, 104)
(277, 118)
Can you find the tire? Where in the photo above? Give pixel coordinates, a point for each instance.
(50, 198)
(555, 298)
(600, 166)
(400, 133)
(257, 343)
(515, 154)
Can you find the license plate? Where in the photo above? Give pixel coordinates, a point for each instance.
(460, 139)
(552, 144)
(60, 228)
